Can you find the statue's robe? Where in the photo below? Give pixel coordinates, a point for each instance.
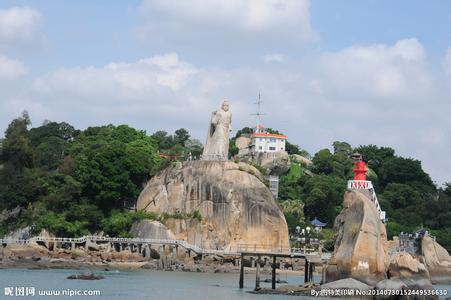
(217, 146)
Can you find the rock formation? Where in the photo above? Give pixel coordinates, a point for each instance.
(217, 145)
(236, 207)
(360, 244)
(301, 159)
(437, 260)
(404, 266)
(148, 229)
(243, 143)
(275, 163)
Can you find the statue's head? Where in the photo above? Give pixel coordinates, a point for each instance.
(225, 105)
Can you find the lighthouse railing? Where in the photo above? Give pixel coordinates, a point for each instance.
(367, 185)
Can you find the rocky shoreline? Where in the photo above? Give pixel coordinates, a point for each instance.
(34, 256)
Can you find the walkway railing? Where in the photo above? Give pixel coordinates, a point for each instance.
(295, 252)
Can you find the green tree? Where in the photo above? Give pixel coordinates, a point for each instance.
(290, 186)
(404, 204)
(163, 140)
(342, 147)
(16, 147)
(324, 195)
(181, 136)
(404, 170)
(341, 165)
(322, 162)
(294, 213)
(50, 142)
(112, 163)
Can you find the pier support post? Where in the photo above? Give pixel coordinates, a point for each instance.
(273, 273)
(306, 271)
(310, 272)
(242, 271)
(257, 275)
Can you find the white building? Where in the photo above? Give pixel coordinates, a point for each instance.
(268, 142)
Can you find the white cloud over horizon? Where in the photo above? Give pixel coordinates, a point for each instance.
(364, 94)
(11, 68)
(18, 24)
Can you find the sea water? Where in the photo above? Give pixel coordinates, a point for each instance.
(136, 284)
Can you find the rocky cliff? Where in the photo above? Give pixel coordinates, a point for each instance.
(360, 247)
(236, 207)
(437, 260)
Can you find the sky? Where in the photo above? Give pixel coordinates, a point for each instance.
(361, 71)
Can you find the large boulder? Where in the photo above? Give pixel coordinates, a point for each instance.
(404, 265)
(437, 260)
(235, 207)
(148, 229)
(361, 239)
(243, 143)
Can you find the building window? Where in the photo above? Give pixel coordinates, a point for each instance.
(272, 140)
(281, 148)
(272, 148)
(260, 148)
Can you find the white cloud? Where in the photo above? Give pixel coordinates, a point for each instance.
(380, 70)
(252, 15)
(274, 58)
(11, 68)
(225, 23)
(127, 80)
(18, 24)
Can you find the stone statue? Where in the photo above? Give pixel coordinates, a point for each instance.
(217, 146)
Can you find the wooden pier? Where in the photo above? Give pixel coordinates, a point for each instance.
(311, 260)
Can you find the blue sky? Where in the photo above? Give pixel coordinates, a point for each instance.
(361, 71)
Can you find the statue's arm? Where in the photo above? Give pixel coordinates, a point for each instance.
(214, 119)
(213, 123)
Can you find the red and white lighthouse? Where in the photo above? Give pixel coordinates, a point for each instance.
(360, 183)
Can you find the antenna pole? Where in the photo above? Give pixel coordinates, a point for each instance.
(259, 113)
(259, 102)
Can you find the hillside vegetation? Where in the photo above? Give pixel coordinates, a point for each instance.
(74, 182)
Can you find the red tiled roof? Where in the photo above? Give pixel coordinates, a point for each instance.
(270, 135)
